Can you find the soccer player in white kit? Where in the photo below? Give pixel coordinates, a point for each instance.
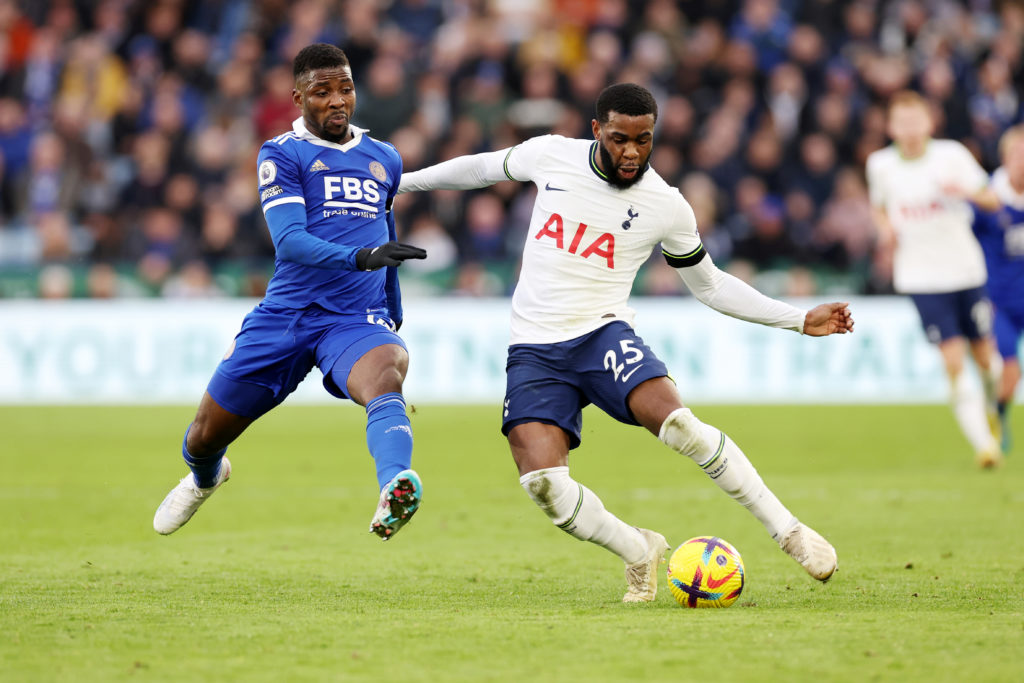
(600, 210)
(920, 191)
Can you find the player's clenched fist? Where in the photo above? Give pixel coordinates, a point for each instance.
(389, 254)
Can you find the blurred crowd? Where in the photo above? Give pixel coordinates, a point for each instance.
(129, 129)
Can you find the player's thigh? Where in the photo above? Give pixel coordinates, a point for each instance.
(615, 363)
(940, 316)
(1007, 330)
(954, 352)
(265, 363)
(653, 401)
(380, 370)
(359, 359)
(541, 387)
(538, 445)
(975, 313)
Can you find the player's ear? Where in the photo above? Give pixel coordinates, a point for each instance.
(296, 97)
(596, 128)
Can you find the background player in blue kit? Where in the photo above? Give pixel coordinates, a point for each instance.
(1001, 234)
(326, 189)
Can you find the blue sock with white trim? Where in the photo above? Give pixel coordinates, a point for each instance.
(203, 469)
(388, 435)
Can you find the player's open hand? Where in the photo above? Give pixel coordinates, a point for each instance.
(388, 254)
(826, 319)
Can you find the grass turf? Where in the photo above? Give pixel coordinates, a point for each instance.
(277, 578)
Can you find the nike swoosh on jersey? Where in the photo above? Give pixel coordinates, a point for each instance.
(547, 186)
(625, 378)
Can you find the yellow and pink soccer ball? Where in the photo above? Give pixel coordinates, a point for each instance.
(705, 571)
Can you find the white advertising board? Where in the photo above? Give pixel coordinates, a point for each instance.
(164, 351)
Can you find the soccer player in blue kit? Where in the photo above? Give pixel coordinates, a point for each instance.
(333, 302)
(1001, 234)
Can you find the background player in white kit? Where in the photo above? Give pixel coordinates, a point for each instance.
(919, 189)
(599, 212)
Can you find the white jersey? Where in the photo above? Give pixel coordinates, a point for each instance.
(587, 239)
(936, 251)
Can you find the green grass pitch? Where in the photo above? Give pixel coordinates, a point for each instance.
(277, 578)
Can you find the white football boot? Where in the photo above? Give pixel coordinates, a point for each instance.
(642, 577)
(184, 499)
(399, 500)
(814, 553)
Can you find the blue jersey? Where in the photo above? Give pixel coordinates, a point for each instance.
(324, 202)
(1001, 234)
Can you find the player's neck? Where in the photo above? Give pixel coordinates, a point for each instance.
(912, 152)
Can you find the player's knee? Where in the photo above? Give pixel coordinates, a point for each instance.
(554, 492)
(685, 434)
(198, 441)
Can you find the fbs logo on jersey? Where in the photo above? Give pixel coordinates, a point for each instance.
(318, 166)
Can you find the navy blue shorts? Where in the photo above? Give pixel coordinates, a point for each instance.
(966, 313)
(552, 383)
(278, 346)
(1009, 327)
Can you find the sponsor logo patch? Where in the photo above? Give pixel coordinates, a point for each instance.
(272, 191)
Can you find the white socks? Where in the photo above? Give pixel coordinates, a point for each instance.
(969, 409)
(992, 378)
(578, 511)
(727, 466)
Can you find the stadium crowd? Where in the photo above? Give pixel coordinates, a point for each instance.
(129, 130)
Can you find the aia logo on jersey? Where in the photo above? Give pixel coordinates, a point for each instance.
(602, 247)
(923, 212)
(628, 223)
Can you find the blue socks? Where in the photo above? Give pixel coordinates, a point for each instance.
(203, 469)
(388, 435)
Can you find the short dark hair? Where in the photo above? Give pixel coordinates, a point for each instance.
(318, 56)
(625, 98)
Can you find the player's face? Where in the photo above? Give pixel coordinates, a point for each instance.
(327, 98)
(1013, 162)
(910, 126)
(624, 145)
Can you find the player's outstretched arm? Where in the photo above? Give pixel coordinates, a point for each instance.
(826, 319)
(461, 173)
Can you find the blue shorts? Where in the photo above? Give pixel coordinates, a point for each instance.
(278, 346)
(552, 383)
(1009, 326)
(965, 313)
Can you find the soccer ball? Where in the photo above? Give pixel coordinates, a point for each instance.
(705, 572)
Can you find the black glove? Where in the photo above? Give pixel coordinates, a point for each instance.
(389, 254)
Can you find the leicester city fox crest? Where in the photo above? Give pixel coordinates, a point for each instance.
(377, 170)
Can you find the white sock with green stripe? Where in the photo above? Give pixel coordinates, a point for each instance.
(577, 510)
(727, 466)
